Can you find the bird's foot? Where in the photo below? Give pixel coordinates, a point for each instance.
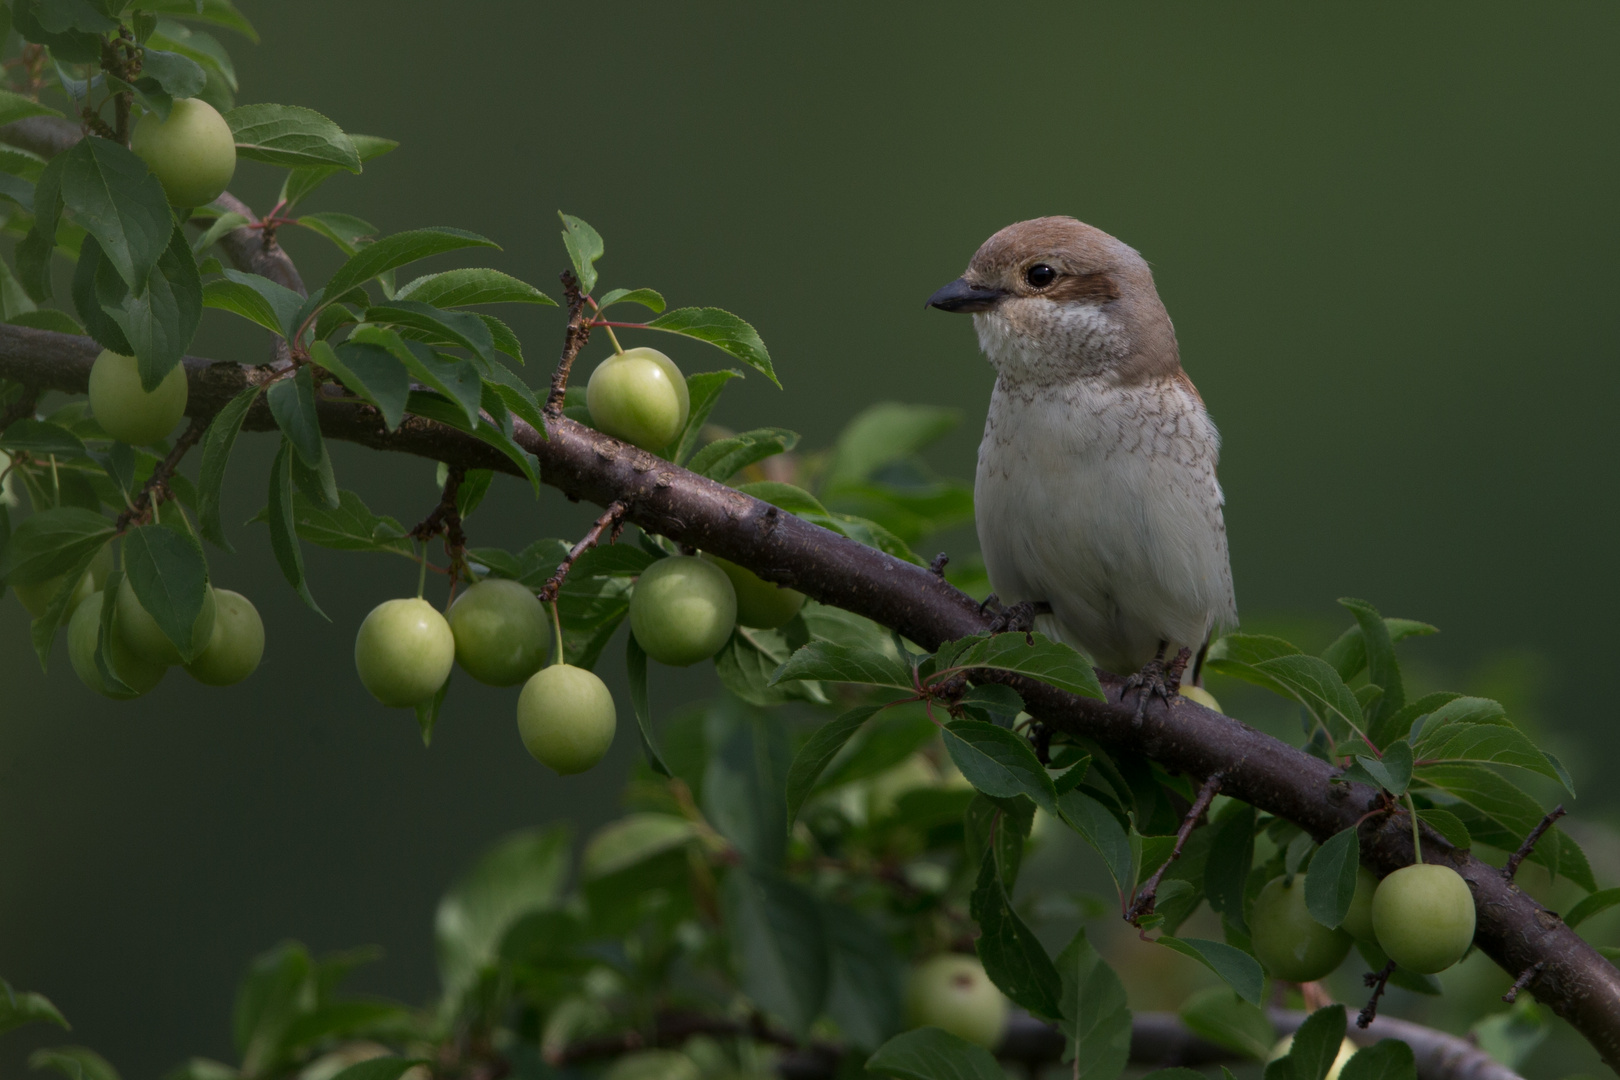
(1020, 617)
(1157, 679)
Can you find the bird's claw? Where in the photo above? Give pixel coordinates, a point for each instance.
(1157, 679)
(1020, 617)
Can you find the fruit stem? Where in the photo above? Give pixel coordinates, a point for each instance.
(617, 348)
(556, 626)
(421, 576)
(1417, 841)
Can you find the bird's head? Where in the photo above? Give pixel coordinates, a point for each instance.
(1055, 299)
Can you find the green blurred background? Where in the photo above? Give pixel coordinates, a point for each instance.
(1386, 237)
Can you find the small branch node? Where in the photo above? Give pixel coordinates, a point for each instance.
(1379, 982)
(937, 567)
(156, 488)
(1145, 900)
(446, 519)
(574, 338)
(1529, 844)
(1526, 977)
(611, 522)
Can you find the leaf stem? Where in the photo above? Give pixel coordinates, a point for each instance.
(617, 348)
(556, 626)
(1417, 838)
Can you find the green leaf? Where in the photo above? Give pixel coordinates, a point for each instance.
(274, 307)
(348, 526)
(1330, 884)
(275, 989)
(830, 662)
(160, 322)
(52, 542)
(179, 76)
(56, 25)
(283, 537)
(722, 459)
(721, 329)
(93, 276)
(524, 873)
(1231, 853)
(999, 763)
(301, 182)
(886, 741)
(502, 336)
(59, 322)
(1496, 812)
(110, 192)
(427, 712)
(863, 994)
(397, 250)
(170, 578)
(633, 839)
(34, 252)
(1399, 725)
(1219, 1016)
(371, 372)
(647, 298)
(14, 107)
(744, 780)
(818, 752)
(1095, 1020)
(458, 380)
(41, 438)
(635, 662)
(292, 403)
(884, 433)
(1307, 679)
(197, 45)
(218, 12)
(748, 661)
(74, 1062)
(1382, 667)
(18, 1008)
(473, 285)
(1348, 654)
(932, 1054)
(703, 390)
(778, 945)
(1102, 830)
(516, 394)
(223, 224)
(1051, 662)
(1236, 968)
(1250, 648)
(584, 248)
(1316, 1044)
(1012, 955)
(290, 136)
(1591, 905)
(1448, 825)
(348, 232)
(456, 328)
(1477, 729)
(1387, 1059)
(435, 408)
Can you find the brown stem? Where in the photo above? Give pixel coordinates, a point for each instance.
(1149, 896)
(612, 519)
(1529, 845)
(1378, 981)
(446, 519)
(574, 339)
(1526, 977)
(156, 486)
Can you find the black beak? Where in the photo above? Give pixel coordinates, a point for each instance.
(960, 295)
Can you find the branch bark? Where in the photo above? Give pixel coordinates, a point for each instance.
(1513, 929)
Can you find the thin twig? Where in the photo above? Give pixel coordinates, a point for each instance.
(1379, 982)
(938, 565)
(1529, 844)
(1526, 977)
(613, 519)
(1149, 896)
(446, 519)
(574, 339)
(157, 485)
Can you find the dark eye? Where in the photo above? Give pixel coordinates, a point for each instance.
(1040, 275)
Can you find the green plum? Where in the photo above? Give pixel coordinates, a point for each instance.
(1287, 941)
(1200, 695)
(1423, 915)
(192, 153)
(760, 604)
(682, 610)
(566, 718)
(1358, 920)
(236, 644)
(143, 635)
(404, 651)
(37, 597)
(1347, 1050)
(639, 396)
(129, 413)
(951, 991)
(83, 632)
(500, 631)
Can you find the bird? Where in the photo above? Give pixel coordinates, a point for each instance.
(1098, 510)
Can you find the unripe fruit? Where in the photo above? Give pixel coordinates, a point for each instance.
(1287, 941)
(1358, 920)
(952, 992)
(500, 631)
(1200, 695)
(124, 410)
(37, 597)
(192, 153)
(683, 609)
(639, 396)
(83, 630)
(760, 604)
(1424, 917)
(404, 651)
(566, 718)
(143, 635)
(1347, 1050)
(236, 644)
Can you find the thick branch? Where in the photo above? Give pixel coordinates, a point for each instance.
(1514, 930)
